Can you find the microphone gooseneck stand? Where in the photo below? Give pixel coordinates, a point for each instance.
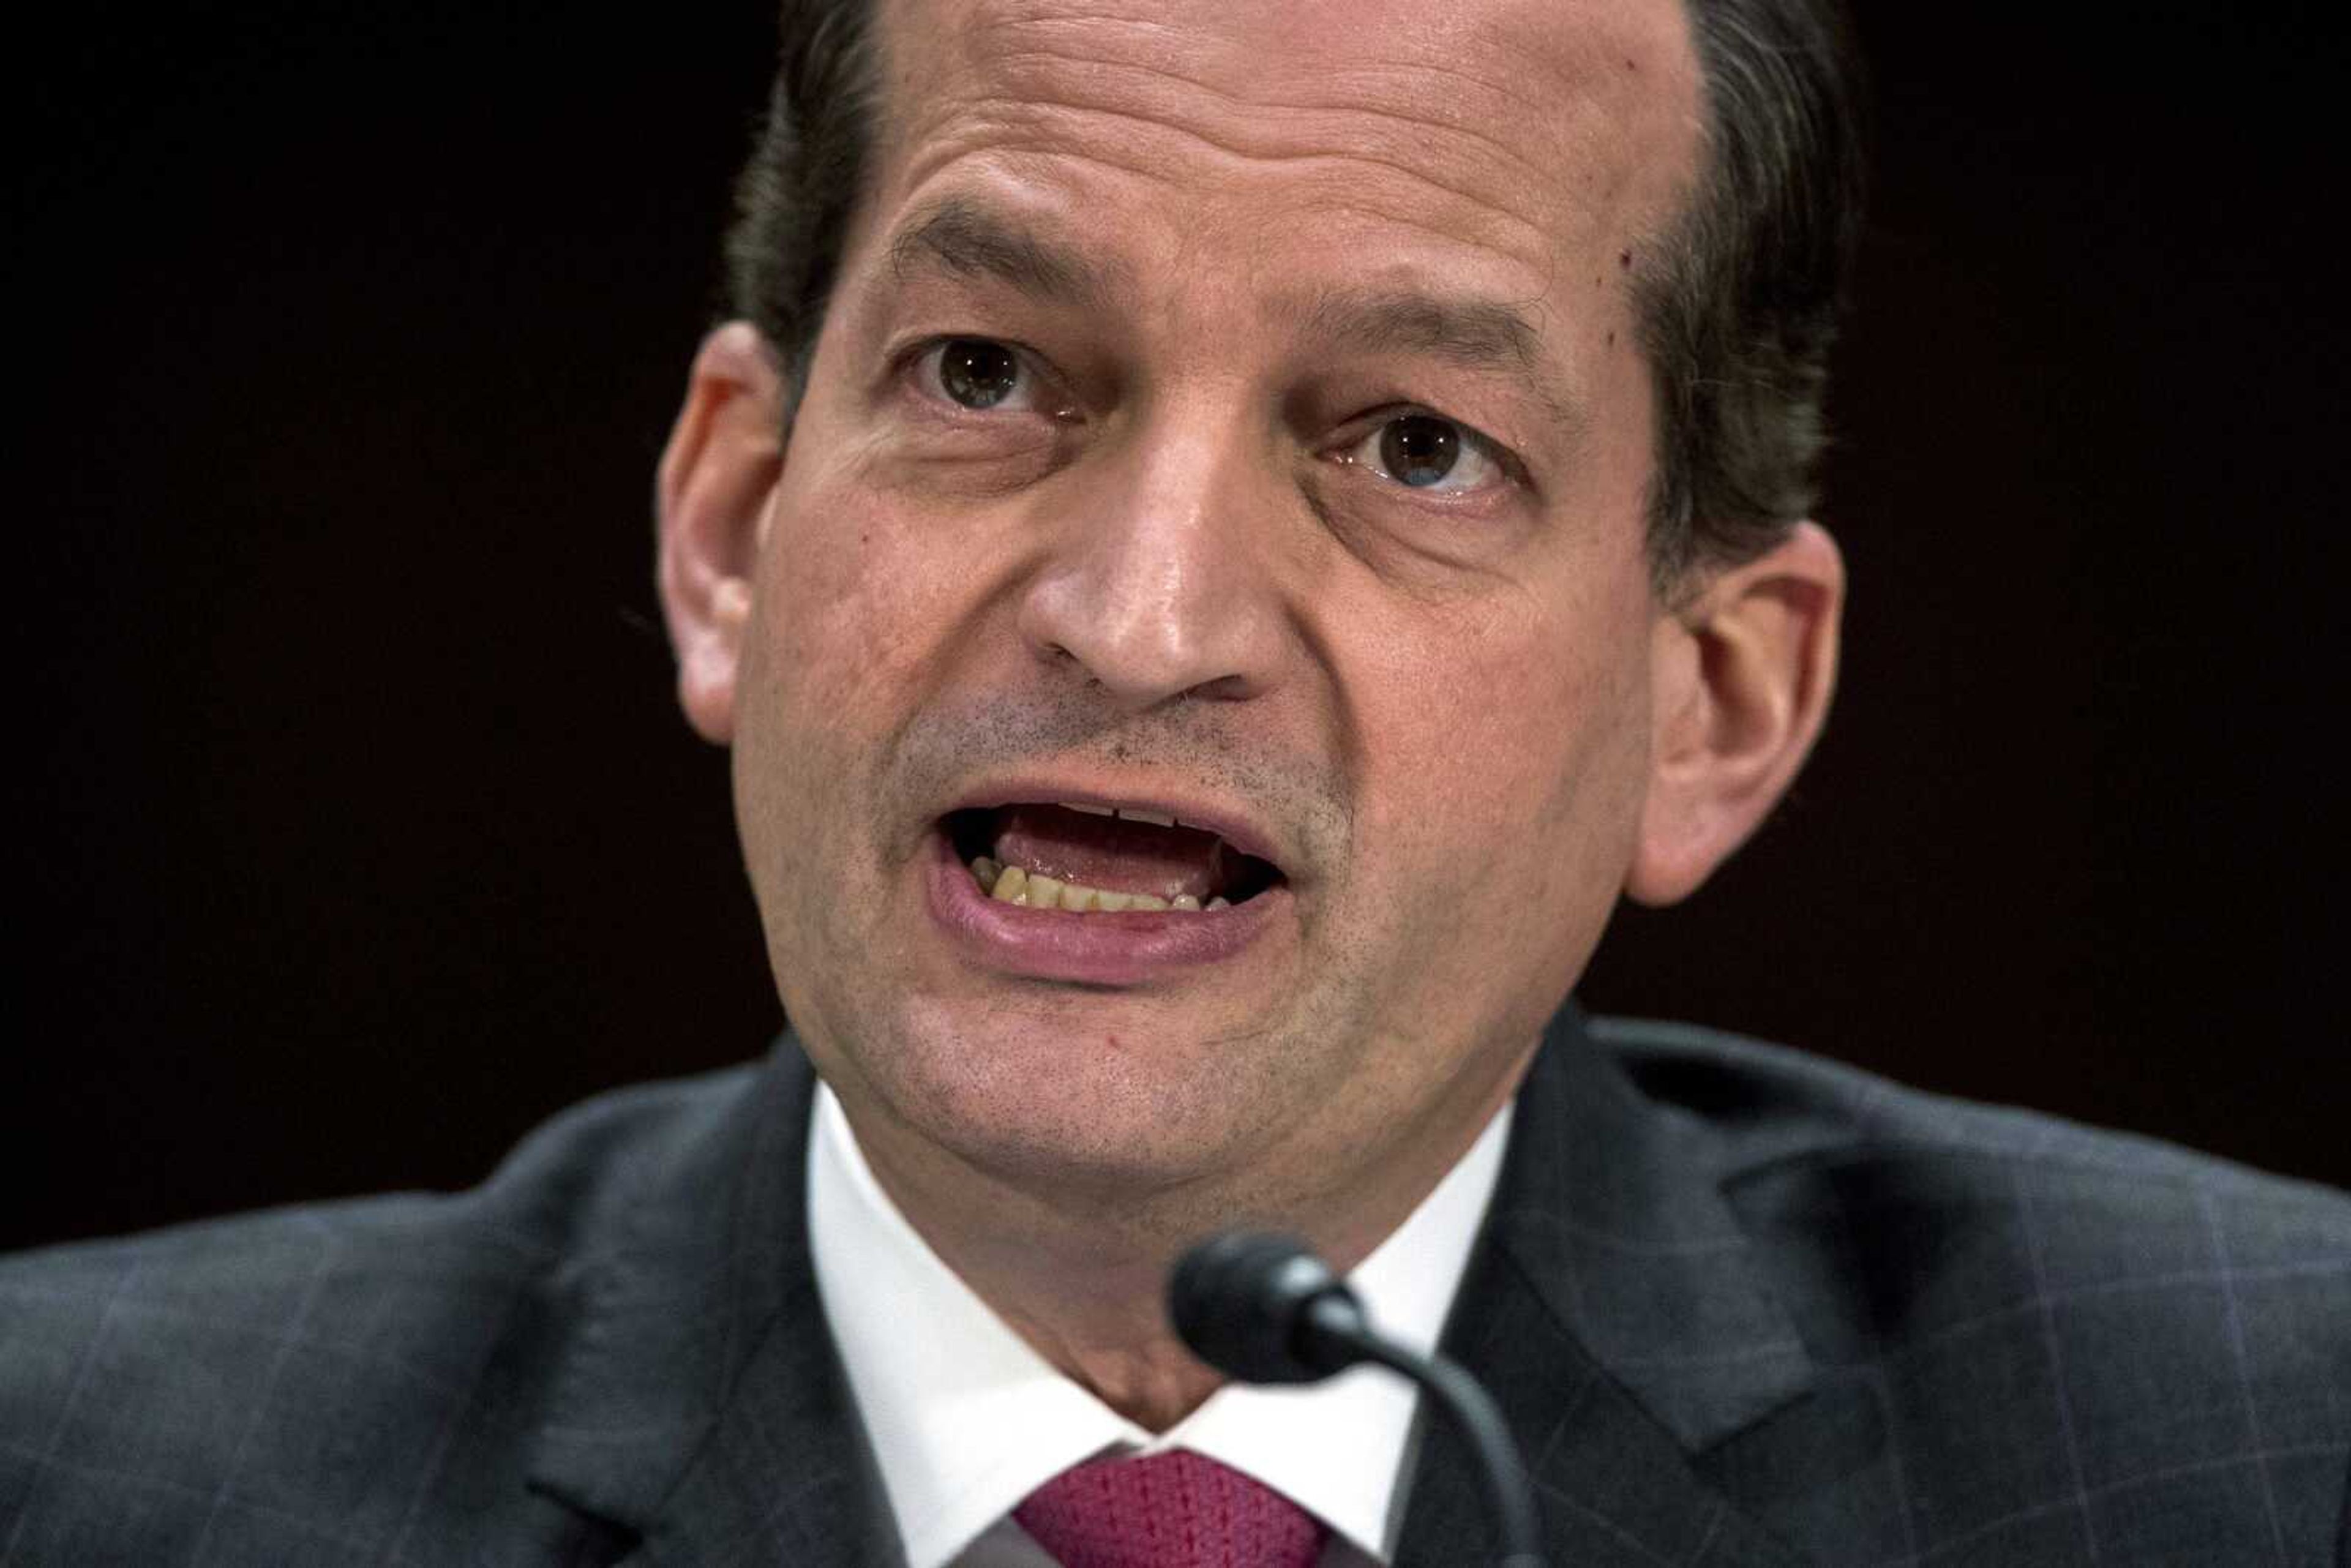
(1263, 1309)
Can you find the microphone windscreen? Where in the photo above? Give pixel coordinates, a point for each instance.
(1239, 1300)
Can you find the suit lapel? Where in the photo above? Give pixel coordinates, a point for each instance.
(1612, 1305)
(700, 1402)
(1616, 1312)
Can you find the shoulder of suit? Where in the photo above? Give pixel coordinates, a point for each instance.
(1768, 1105)
(556, 1194)
(125, 1361)
(1891, 1218)
(2031, 1308)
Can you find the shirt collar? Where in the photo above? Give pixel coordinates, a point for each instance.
(966, 1419)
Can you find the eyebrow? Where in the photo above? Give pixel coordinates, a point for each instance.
(1475, 333)
(970, 241)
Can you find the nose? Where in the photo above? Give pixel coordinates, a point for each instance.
(1160, 583)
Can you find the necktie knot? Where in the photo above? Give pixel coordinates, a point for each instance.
(1171, 1509)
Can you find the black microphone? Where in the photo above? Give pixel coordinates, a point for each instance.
(1264, 1309)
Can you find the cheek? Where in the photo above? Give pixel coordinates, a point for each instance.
(826, 670)
(847, 600)
(1521, 766)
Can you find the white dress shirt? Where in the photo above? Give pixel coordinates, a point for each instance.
(967, 1419)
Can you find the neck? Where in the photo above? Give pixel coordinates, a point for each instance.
(1079, 1269)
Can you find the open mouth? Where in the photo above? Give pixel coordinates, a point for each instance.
(1094, 859)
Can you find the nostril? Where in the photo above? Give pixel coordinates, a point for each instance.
(1225, 689)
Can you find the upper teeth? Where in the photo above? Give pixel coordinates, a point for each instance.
(1012, 885)
(1126, 814)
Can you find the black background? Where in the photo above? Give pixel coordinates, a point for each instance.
(356, 831)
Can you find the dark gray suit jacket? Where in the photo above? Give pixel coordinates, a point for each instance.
(1741, 1307)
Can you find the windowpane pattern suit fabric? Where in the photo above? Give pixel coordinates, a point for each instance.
(1741, 1306)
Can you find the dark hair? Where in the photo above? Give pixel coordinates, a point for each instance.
(1738, 300)
(795, 197)
(1740, 297)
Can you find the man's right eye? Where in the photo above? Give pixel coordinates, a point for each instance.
(977, 373)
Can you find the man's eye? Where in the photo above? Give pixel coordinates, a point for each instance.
(1426, 452)
(977, 373)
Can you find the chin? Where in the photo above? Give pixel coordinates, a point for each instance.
(1083, 1086)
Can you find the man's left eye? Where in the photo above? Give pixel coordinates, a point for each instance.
(977, 373)
(1426, 452)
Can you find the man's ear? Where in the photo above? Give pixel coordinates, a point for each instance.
(1743, 670)
(711, 500)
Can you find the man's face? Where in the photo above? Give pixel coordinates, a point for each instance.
(1241, 420)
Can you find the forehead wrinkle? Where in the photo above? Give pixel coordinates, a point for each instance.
(992, 90)
(1034, 138)
(1472, 172)
(971, 239)
(1506, 115)
(1333, 106)
(1503, 98)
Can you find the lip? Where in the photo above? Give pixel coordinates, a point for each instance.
(1234, 828)
(1130, 948)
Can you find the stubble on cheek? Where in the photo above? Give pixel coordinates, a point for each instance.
(1513, 867)
(811, 705)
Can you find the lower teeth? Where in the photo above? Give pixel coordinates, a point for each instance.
(1012, 885)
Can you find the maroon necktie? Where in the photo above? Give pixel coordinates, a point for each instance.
(1172, 1509)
